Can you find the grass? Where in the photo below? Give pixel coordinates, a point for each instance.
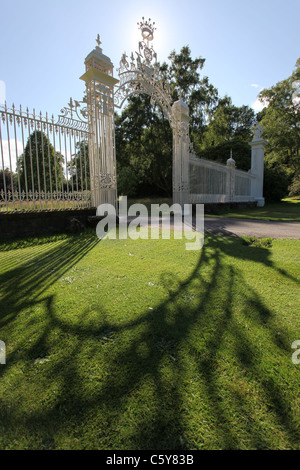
(148, 201)
(287, 210)
(125, 344)
(258, 242)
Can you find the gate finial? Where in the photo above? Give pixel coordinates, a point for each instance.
(98, 41)
(147, 28)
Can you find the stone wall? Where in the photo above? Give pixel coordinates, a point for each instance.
(218, 208)
(33, 223)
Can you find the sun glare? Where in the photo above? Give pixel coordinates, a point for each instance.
(160, 37)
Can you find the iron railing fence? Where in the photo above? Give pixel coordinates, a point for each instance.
(214, 182)
(44, 162)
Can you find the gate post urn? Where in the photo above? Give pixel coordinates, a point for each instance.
(100, 85)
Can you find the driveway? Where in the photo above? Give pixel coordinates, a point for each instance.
(250, 227)
(228, 226)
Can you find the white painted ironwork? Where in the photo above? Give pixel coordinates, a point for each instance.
(181, 145)
(75, 115)
(43, 161)
(257, 165)
(71, 162)
(212, 182)
(140, 74)
(100, 112)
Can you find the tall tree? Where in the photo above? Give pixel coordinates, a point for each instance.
(229, 128)
(183, 74)
(143, 133)
(281, 122)
(79, 167)
(144, 149)
(8, 180)
(40, 166)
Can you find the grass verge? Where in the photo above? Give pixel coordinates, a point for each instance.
(125, 344)
(288, 210)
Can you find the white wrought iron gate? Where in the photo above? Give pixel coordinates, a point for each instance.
(44, 162)
(69, 162)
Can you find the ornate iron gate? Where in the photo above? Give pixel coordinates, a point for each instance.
(44, 161)
(140, 75)
(71, 162)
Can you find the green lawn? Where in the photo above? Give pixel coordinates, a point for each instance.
(288, 210)
(125, 344)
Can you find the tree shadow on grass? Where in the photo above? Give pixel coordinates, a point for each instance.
(106, 373)
(22, 285)
(26, 282)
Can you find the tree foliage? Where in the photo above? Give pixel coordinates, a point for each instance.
(183, 74)
(144, 136)
(228, 129)
(79, 167)
(8, 180)
(144, 149)
(40, 165)
(281, 122)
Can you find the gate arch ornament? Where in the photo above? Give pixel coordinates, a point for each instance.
(138, 74)
(141, 74)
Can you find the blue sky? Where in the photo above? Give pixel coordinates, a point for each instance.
(44, 43)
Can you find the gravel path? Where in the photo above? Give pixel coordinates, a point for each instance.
(249, 227)
(233, 226)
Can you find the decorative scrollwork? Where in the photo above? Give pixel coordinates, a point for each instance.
(142, 74)
(104, 181)
(74, 115)
(296, 95)
(181, 129)
(179, 187)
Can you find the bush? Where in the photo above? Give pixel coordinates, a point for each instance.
(127, 182)
(257, 242)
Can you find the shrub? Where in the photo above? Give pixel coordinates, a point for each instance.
(257, 242)
(127, 182)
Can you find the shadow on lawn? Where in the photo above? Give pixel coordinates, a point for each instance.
(22, 286)
(150, 354)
